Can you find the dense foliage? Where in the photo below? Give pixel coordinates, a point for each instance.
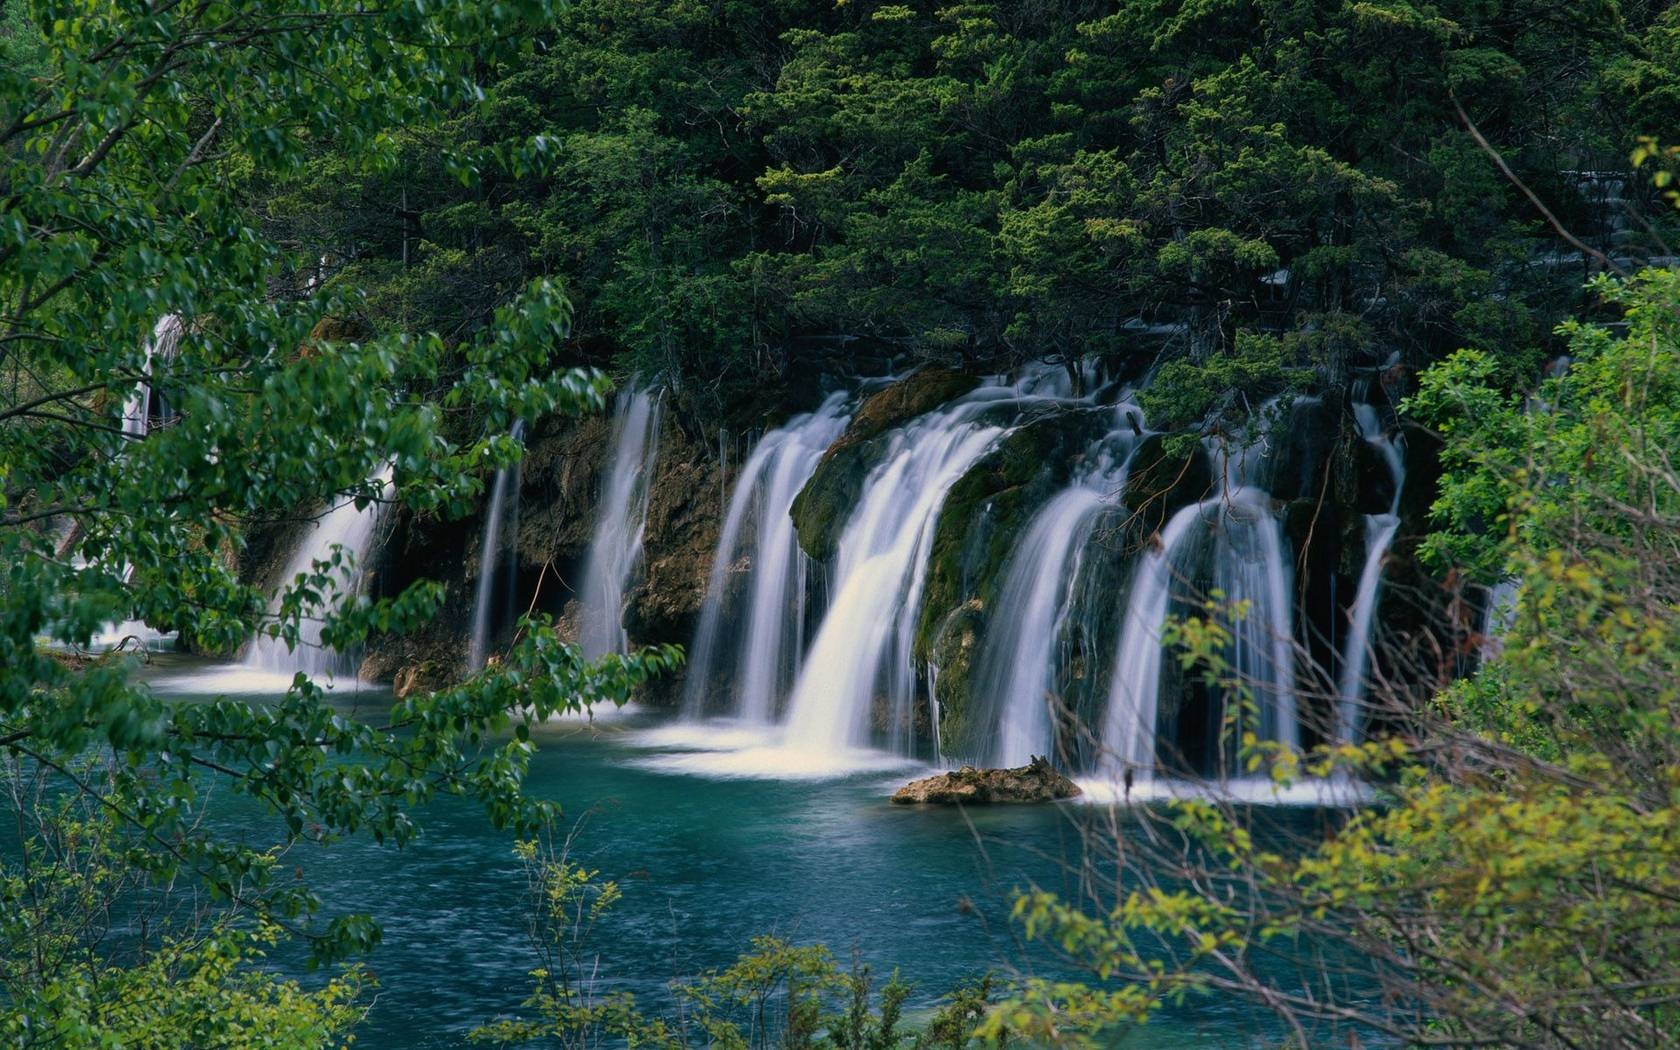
(130, 134)
(1272, 190)
(1517, 885)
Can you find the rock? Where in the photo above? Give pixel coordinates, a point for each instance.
(1034, 782)
(988, 508)
(420, 678)
(916, 394)
(1167, 475)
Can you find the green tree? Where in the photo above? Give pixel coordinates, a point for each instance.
(132, 145)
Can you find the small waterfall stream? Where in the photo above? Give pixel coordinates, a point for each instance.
(1252, 586)
(344, 534)
(1026, 642)
(500, 520)
(615, 551)
(1380, 530)
(163, 344)
(751, 621)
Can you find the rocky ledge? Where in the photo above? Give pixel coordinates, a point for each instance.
(1033, 782)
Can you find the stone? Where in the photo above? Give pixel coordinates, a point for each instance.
(1034, 782)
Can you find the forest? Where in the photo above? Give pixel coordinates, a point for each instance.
(839, 524)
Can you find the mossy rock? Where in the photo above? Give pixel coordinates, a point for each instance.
(1303, 446)
(988, 507)
(823, 505)
(1168, 472)
(916, 394)
(955, 645)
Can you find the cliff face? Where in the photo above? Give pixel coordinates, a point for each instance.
(1323, 478)
(560, 483)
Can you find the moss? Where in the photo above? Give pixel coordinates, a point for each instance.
(979, 524)
(954, 646)
(823, 505)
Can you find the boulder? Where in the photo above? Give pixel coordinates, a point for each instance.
(1034, 782)
(423, 677)
(916, 394)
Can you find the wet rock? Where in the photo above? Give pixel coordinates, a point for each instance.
(1303, 445)
(988, 508)
(1168, 473)
(686, 504)
(1034, 782)
(916, 394)
(951, 654)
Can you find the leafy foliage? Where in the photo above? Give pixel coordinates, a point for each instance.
(133, 136)
(1277, 189)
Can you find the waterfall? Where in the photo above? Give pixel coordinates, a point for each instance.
(615, 551)
(163, 344)
(751, 621)
(1134, 691)
(1018, 666)
(1251, 576)
(863, 646)
(501, 519)
(1026, 641)
(862, 650)
(1252, 568)
(344, 534)
(1380, 530)
(1499, 615)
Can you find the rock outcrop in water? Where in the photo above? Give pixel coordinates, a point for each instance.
(1034, 782)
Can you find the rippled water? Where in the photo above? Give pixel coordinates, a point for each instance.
(706, 862)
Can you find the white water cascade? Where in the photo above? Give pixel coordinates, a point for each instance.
(1027, 640)
(1379, 536)
(1251, 573)
(615, 551)
(163, 344)
(344, 534)
(750, 626)
(500, 520)
(863, 646)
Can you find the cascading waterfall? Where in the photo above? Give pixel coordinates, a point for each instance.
(1380, 530)
(862, 649)
(1252, 568)
(501, 519)
(759, 654)
(345, 532)
(163, 345)
(1134, 692)
(1019, 663)
(863, 646)
(615, 551)
(1026, 641)
(1251, 573)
